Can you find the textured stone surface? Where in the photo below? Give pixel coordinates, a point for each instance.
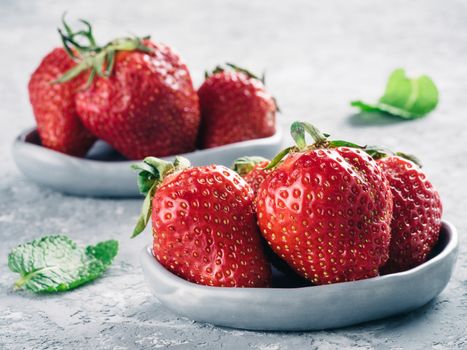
(318, 56)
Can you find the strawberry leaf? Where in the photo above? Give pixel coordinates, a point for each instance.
(404, 97)
(410, 157)
(98, 60)
(151, 173)
(343, 143)
(145, 215)
(244, 165)
(298, 130)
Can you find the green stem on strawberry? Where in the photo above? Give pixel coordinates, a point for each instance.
(278, 158)
(99, 60)
(152, 171)
(410, 157)
(244, 165)
(235, 68)
(247, 72)
(298, 130)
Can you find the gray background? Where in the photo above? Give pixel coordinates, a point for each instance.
(318, 56)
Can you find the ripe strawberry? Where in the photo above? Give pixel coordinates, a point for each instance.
(54, 107)
(204, 225)
(140, 97)
(326, 210)
(416, 219)
(235, 106)
(252, 170)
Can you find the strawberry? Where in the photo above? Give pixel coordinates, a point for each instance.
(252, 170)
(326, 209)
(140, 97)
(203, 223)
(416, 219)
(235, 106)
(54, 108)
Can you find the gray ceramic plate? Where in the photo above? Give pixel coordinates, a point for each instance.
(306, 308)
(104, 173)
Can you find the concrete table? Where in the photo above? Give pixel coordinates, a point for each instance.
(318, 56)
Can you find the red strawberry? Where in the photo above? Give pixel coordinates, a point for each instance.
(54, 106)
(252, 170)
(204, 224)
(416, 219)
(326, 210)
(141, 98)
(235, 106)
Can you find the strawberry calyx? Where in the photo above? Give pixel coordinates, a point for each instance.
(244, 165)
(298, 130)
(410, 157)
(152, 171)
(233, 67)
(98, 60)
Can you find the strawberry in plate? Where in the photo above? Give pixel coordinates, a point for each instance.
(326, 209)
(254, 172)
(235, 106)
(252, 169)
(138, 97)
(416, 220)
(54, 106)
(203, 223)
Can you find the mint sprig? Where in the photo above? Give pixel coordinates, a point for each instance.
(57, 264)
(404, 97)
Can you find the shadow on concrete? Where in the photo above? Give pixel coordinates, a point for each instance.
(373, 119)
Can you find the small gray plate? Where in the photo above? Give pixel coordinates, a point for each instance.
(104, 173)
(310, 307)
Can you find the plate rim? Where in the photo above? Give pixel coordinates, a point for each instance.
(20, 141)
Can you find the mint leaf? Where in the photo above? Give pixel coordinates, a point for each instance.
(404, 97)
(56, 263)
(104, 251)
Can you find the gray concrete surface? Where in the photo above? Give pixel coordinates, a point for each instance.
(318, 56)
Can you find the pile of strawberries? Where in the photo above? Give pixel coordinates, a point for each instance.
(138, 96)
(331, 211)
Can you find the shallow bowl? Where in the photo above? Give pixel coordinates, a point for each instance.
(286, 307)
(104, 173)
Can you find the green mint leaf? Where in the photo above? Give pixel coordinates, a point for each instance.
(404, 97)
(56, 263)
(104, 251)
